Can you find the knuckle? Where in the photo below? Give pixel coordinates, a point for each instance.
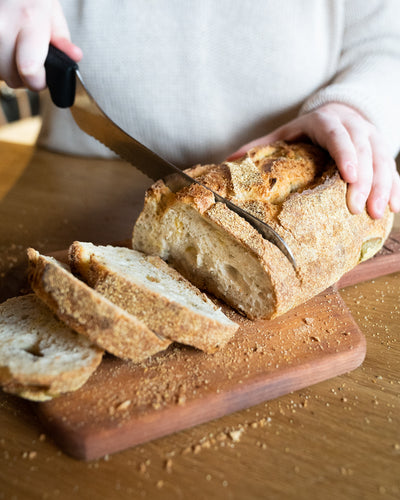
(384, 163)
(13, 81)
(380, 190)
(334, 133)
(323, 116)
(381, 186)
(29, 10)
(365, 182)
(364, 149)
(4, 36)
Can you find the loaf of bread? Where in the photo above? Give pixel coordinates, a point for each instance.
(156, 294)
(296, 189)
(89, 313)
(40, 357)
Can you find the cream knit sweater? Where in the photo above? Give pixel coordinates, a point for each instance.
(194, 80)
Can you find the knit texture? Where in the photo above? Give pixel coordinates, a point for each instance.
(196, 80)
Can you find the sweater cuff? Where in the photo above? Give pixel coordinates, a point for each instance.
(364, 103)
(344, 94)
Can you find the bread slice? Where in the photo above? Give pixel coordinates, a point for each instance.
(89, 313)
(154, 292)
(296, 189)
(40, 357)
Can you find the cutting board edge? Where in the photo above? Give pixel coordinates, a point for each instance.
(369, 270)
(87, 446)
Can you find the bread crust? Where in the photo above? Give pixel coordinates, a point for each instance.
(40, 357)
(163, 315)
(296, 189)
(90, 314)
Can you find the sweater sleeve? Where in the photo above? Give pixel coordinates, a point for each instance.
(368, 70)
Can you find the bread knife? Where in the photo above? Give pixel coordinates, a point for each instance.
(68, 90)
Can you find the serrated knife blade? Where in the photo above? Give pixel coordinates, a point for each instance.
(68, 90)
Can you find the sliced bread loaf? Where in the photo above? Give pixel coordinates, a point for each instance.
(89, 313)
(295, 188)
(40, 357)
(154, 292)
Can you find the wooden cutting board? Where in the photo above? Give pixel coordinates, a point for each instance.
(125, 404)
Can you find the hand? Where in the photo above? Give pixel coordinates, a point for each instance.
(358, 149)
(26, 29)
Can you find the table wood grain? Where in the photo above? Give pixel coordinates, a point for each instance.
(339, 439)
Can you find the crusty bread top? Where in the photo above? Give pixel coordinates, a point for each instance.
(90, 313)
(40, 356)
(156, 293)
(297, 190)
(262, 180)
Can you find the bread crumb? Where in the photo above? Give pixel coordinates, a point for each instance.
(124, 405)
(160, 484)
(181, 399)
(235, 435)
(221, 436)
(168, 465)
(206, 444)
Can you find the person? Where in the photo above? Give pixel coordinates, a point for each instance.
(203, 81)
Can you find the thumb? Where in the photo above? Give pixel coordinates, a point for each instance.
(276, 135)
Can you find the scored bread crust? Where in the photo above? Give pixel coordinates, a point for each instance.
(297, 190)
(40, 357)
(195, 321)
(89, 313)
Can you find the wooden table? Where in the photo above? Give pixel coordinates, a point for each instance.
(339, 439)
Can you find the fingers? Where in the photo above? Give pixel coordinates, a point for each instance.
(8, 34)
(359, 189)
(287, 132)
(362, 158)
(327, 130)
(60, 36)
(394, 199)
(32, 45)
(384, 168)
(66, 46)
(246, 147)
(359, 151)
(377, 182)
(26, 29)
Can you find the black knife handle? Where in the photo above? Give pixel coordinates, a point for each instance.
(60, 77)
